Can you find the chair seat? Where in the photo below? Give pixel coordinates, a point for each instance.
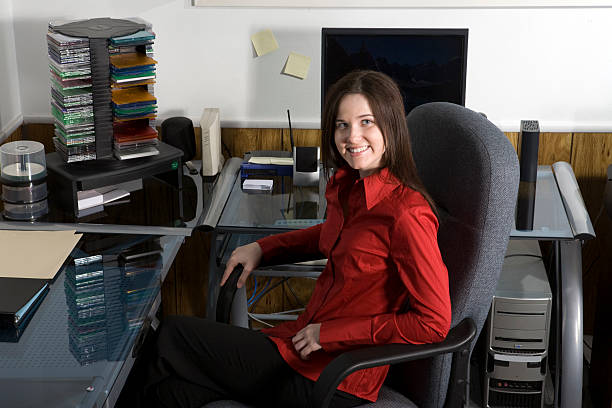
(226, 404)
(387, 398)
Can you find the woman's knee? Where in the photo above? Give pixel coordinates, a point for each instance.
(181, 326)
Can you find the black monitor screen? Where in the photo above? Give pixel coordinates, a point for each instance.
(429, 65)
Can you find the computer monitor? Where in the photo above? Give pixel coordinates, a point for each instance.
(429, 65)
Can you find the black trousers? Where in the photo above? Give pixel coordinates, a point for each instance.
(194, 361)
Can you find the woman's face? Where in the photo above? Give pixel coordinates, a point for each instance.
(357, 136)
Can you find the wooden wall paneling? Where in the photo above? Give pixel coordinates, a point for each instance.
(168, 291)
(240, 141)
(302, 289)
(554, 147)
(591, 156)
(272, 301)
(281, 298)
(198, 138)
(16, 135)
(513, 137)
(191, 276)
(302, 137)
(42, 133)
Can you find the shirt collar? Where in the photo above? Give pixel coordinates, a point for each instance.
(376, 186)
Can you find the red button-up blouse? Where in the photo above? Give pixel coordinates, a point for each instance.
(384, 282)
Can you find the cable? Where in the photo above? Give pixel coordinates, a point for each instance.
(254, 291)
(299, 302)
(227, 150)
(290, 130)
(259, 320)
(301, 309)
(266, 290)
(601, 210)
(260, 294)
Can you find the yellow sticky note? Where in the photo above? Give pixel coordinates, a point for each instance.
(297, 65)
(264, 42)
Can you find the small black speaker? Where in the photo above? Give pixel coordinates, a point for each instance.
(529, 140)
(306, 165)
(306, 159)
(178, 132)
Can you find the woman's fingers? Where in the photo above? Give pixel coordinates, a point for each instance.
(302, 348)
(299, 345)
(243, 277)
(305, 342)
(249, 256)
(229, 267)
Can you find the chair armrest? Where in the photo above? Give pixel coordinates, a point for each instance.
(458, 338)
(226, 296)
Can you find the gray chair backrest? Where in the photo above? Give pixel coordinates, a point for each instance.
(471, 171)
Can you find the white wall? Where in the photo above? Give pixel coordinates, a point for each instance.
(10, 103)
(549, 64)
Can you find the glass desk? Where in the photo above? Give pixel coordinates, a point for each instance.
(286, 207)
(76, 349)
(159, 207)
(74, 352)
(238, 217)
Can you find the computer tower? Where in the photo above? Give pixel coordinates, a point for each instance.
(517, 330)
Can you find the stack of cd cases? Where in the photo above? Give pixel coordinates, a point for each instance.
(133, 101)
(109, 282)
(88, 61)
(71, 96)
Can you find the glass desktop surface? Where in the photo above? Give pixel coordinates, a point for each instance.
(157, 204)
(289, 207)
(550, 219)
(73, 348)
(286, 207)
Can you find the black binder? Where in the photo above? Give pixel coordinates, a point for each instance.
(19, 299)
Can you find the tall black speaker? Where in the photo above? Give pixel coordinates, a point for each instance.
(179, 132)
(529, 139)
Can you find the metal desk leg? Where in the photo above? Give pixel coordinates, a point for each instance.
(570, 356)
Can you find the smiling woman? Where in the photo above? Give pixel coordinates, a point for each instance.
(380, 239)
(358, 138)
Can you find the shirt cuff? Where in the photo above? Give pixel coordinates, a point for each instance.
(341, 334)
(266, 244)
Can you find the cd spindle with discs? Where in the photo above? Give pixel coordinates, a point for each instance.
(23, 174)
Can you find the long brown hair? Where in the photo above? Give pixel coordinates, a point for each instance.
(385, 100)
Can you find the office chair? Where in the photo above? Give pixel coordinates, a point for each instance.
(471, 171)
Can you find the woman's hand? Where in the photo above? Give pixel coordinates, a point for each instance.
(249, 256)
(307, 340)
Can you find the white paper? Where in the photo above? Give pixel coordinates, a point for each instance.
(280, 161)
(88, 199)
(114, 195)
(257, 184)
(34, 254)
